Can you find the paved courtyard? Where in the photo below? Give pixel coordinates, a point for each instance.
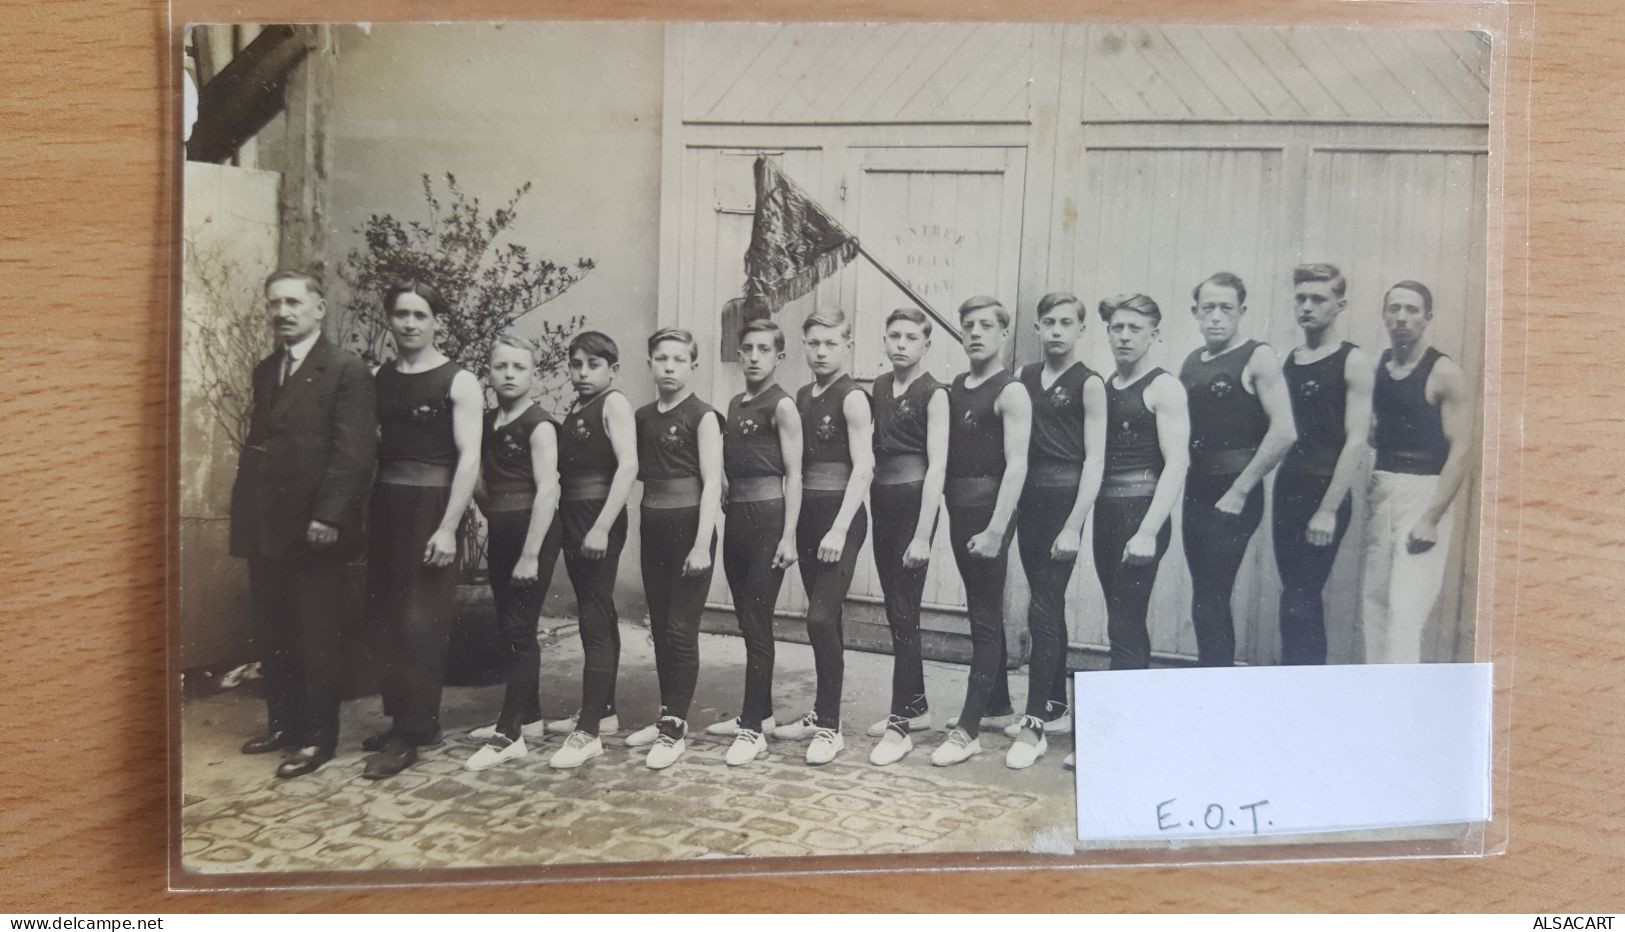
(237, 817)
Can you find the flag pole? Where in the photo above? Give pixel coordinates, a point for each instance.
(902, 286)
(891, 276)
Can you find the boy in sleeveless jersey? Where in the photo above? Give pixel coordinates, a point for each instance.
(598, 462)
(1422, 430)
(680, 464)
(1241, 426)
(1065, 457)
(761, 458)
(837, 462)
(911, 452)
(1329, 382)
(1147, 454)
(989, 417)
(518, 493)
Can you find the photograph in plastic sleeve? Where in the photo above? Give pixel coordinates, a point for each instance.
(640, 442)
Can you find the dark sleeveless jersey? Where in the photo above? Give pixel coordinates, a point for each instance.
(1057, 432)
(414, 414)
(1410, 431)
(900, 422)
(823, 422)
(1224, 415)
(669, 441)
(750, 438)
(1319, 394)
(1131, 427)
(505, 461)
(975, 429)
(584, 447)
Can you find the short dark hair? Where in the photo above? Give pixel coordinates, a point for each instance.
(913, 315)
(424, 290)
(1057, 299)
(983, 302)
(1138, 303)
(1409, 285)
(1224, 280)
(312, 283)
(595, 343)
(764, 325)
(674, 335)
(1321, 272)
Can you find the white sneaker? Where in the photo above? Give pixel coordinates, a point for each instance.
(643, 736)
(825, 745)
(497, 751)
(988, 721)
(919, 722)
(1054, 726)
(607, 727)
(579, 748)
(536, 729)
(893, 745)
(730, 726)
(1071, 762)
(956, 748)
(665, 752)
(748, 746)
(1026, 751)
(802, 728)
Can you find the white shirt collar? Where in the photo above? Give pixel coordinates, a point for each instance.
(301, 349)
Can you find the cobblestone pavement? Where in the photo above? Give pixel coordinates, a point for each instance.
(237, 817)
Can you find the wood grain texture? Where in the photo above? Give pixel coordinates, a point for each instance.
(85, 293)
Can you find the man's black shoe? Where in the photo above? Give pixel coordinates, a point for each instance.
(377, 742)
(395, 756)
(307, 760)
(268, 742)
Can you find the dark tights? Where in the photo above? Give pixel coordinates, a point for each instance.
(827, 585)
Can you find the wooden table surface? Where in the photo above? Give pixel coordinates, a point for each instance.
(84, 291)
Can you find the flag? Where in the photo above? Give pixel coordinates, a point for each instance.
(793, 243)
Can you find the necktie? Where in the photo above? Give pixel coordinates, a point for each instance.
(287, 367)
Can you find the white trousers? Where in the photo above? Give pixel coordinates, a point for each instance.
(1400, 587)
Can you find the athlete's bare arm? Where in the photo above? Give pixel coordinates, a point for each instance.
(467, 403)
(623, 439)
(788, 420)
(1166, 398)
(1015, 408)
(710, 437)
(1070, 538)
(918, 552)
(1358, 378)
(1448, 390)
(860, 439)
(1264, 371)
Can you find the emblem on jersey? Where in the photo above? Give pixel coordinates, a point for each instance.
(579, 430)
(1308, 388)
(672, 440)
(747, 426)
(426, 412)
(970, 421)
(511, 446)
(1221, 386)
(905, 410)
(825, 430)
(1058, 398)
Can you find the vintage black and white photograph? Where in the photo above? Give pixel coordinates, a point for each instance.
(644, 442)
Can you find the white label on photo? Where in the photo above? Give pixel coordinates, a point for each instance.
(1207, 753)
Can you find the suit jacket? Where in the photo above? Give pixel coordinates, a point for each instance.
(311, 449)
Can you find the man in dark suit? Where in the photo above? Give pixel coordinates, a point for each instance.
(296, 515)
